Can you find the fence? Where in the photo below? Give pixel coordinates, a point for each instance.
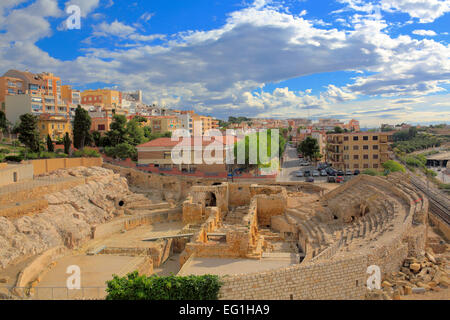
(59, 293)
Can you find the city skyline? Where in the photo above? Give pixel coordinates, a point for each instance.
(380, 62)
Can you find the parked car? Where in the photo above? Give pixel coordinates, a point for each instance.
(331, 171)
(316, 173)
(305, 164)
(307, 173)
(340, 173)
(323, 173)
(309, 179)
(339, 179)
(357, 172)
(299, 174)
(300, 156)
(331, 179)
(349, 172)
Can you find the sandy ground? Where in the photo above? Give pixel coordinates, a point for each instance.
(95, 271)
(133, 238)
(200, 266)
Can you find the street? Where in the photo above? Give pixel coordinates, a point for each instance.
(291, 165)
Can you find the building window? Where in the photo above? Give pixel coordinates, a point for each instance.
(355, 157)
(366, 166)
(101, 127)
(375, 165)
(356, 166)
(355, 147)
(355, 138)
(366, 157)
(345, 147)
(375, 156)
(345, 138)
(365, 138)
(375, 147)
(375, 138)
(365, 147)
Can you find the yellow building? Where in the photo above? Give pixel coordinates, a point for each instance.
(207, 123)
(163, 124)
(54, 125)
(105, 98)
(359, 151)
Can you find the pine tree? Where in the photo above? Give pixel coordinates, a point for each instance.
(50, 146)
(81, 127)
(67, 143)
(28, 132)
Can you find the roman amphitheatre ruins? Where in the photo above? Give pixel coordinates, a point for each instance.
(265, 240)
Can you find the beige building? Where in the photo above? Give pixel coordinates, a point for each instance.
(359, 151)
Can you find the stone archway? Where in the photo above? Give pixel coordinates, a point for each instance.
(210, 200)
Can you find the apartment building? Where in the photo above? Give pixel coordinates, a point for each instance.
(10, 86)
(54, 125)
(163, 124)
(38, 94)
(359, 151)
(107, 99)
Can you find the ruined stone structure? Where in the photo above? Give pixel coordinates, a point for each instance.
(322, 241)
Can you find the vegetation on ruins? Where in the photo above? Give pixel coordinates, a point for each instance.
(135, 287)
(393, 166)
(81, 127)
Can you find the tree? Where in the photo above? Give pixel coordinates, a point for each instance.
(338, 130)
(4, 123)
(50, 146)
(122, 151)
(96, 136)
(118, 131)
(81, 127)
(28, 132)
(135, 132)
(67, 143)
(309, 147)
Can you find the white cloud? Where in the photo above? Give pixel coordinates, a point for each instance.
(225, 68)
(425, 10)
(429, 33)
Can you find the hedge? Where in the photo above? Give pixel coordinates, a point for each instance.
(135, 287)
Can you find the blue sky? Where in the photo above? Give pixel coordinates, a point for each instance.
(380, 61)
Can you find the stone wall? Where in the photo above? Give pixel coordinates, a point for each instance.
(344, 279)
(49, 165)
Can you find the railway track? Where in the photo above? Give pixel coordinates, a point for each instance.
(439, 204)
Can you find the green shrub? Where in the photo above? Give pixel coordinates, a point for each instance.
(14, 158)
(87, 153)
(371, 172)
(430, 172)
(135, 287)
(393, 166)
(4, 151)
(47, 155)
(444, 186)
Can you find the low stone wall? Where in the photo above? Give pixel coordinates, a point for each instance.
(24, 208)
(43, 166)
(344, 279)
(34, 270)
(35, 190)
(128, 223)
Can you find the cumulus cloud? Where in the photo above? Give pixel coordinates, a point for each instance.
(425, 10)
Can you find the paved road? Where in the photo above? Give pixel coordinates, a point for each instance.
(291, 165)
